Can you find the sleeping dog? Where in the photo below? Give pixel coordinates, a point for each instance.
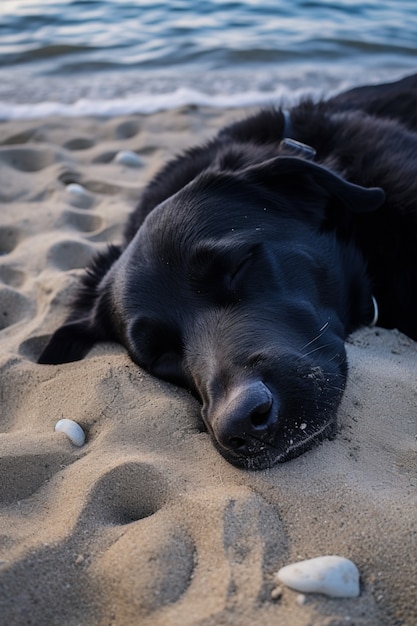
(250, 259)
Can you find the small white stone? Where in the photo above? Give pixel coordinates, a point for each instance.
(76, 189)
(126, 157)
(334, 576)
(73, 431)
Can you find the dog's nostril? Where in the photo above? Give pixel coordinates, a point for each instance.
(259, 416)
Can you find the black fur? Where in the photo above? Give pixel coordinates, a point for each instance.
(246, 265)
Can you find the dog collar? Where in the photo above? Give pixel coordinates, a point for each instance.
(287, 128)
(297, 147)
(376, 312)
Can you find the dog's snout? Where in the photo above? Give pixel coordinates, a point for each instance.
(246, 419)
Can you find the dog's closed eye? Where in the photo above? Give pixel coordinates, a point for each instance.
(220, 271)
(238, 272)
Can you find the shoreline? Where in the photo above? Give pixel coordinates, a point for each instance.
(132, 92)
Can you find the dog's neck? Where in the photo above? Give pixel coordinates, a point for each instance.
(297, 148)
(305, 151)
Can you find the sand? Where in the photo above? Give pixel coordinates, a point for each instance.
(146, 524)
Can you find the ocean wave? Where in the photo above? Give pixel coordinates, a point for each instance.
(152, 103)
(110, 94)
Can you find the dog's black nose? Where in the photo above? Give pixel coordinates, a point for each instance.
(246, 420)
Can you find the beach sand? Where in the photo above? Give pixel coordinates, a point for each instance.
(147, 524)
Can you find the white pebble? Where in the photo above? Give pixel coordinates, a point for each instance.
(73, 431)
(332, 575)
(131, 159)
(76, 189)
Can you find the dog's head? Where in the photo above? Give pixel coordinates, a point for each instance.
(238, 288)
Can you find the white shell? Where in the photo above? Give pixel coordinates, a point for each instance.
(76, 189)
(334, 576)
(125, 157)
(73, 431)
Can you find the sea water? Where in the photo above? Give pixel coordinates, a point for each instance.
(109, 57)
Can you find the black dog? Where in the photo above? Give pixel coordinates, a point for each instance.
(250, 260)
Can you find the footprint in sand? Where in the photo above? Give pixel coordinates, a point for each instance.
(19, 165)
(127, 129)
(14, 307)
(27, 159)
(81, 221)
(70, 254)
(126, 493)
(79, 143)
(105, 157)
(31, 461)
(12, 276)
(9, 238)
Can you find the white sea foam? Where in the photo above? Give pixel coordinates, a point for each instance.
(101, 95)
(152, 103)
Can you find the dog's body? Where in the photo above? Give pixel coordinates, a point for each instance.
(250, 259)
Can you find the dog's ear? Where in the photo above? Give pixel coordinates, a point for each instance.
(306, 176)
(89, 323)
(71, 342)
(90, 319)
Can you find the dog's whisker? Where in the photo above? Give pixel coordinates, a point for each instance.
(322, 330)
(306, 354)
